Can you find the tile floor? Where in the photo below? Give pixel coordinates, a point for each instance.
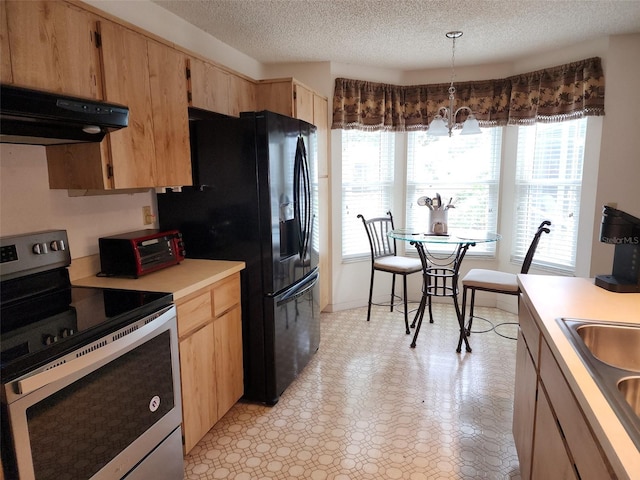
(370, 407)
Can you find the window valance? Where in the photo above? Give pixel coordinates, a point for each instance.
(551, 95)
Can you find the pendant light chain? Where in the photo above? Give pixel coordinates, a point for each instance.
(453, 35)
(452, 89)
(445, 120)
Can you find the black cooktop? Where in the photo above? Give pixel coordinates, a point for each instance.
(37, 330)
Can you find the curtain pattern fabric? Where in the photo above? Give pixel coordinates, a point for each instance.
(550, 95)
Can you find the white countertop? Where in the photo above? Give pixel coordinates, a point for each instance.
(181, 280)
(554, 297)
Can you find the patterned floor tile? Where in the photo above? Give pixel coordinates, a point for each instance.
(370, 407)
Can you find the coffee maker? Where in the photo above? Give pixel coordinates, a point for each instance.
(622, 230)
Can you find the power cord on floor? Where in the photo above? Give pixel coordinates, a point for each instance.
(398, 306)
(482, 331)
(501, 334)
(494, 327)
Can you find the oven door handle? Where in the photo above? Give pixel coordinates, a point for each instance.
(92, 360)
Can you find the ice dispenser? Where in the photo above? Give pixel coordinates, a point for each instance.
(622, 230)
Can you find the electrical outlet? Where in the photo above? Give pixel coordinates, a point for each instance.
(147, 217)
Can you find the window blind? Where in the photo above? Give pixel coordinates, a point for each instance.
(548, 186)
(465, 169)
(367, 184)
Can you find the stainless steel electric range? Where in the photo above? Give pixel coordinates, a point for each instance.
(90, 377)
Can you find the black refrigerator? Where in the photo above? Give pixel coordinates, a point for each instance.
(255, 180)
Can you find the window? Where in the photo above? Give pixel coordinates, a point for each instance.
(465, 169)
(367, 184)
(548, 187)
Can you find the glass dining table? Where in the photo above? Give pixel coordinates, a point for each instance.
(441, 268)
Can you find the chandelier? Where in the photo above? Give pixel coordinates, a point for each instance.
(444, 122)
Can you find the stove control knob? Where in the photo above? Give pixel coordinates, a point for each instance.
(48, 339)
(40, 248)
(66, 332)
(57, 245)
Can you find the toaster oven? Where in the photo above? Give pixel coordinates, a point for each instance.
(137, 253)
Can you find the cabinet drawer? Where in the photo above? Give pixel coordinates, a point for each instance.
(586, 453)
(226, 294)
(194, 312)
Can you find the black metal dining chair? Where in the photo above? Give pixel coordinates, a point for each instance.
(385, 259)
(497, 281)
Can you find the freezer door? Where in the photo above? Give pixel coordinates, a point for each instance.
(296, 333)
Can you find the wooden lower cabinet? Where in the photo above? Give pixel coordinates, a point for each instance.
(227, 338)
(589, 461)
(552, 436)
(524, 406)
(199, 393)
(550, 456)
(210, 331)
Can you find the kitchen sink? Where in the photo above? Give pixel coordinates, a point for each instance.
(630, 389)
(611, 353)
(616, 345)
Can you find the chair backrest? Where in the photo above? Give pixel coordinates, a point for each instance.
(526, 264)
(377, 229)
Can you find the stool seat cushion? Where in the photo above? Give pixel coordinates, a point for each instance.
(398, 264)
(491, 279)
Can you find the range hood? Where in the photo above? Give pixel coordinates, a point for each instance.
(46, 118)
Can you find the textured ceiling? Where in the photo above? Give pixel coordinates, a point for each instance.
(404, 34)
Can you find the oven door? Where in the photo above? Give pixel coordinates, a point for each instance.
(105, 410)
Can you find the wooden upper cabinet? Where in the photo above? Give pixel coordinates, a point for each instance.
(153, 150)
(303, 102)
(5, 52)
(125, 71)
(242, 95)
(276, 96)
(52, 47)
(169, 104)
(208, 86)
(289, 97)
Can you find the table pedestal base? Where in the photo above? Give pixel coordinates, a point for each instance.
(440, 281)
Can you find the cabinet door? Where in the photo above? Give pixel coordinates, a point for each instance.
(320, 113)
(242, 95)
(228, 353)
(524, 406)
(276, 96)
(83, 166)
(303, 103)
(550, 457)
(325, 251)
(5, 59)
(52, 47)
(586, 453)
(209, 87)
(126, 81)
(199, 391)
(169, 103)
(320, 120)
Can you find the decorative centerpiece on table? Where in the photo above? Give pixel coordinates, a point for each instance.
(438, 214)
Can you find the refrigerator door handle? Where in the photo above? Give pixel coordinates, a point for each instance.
(298, 290)
(302, 198)
(302, 195)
